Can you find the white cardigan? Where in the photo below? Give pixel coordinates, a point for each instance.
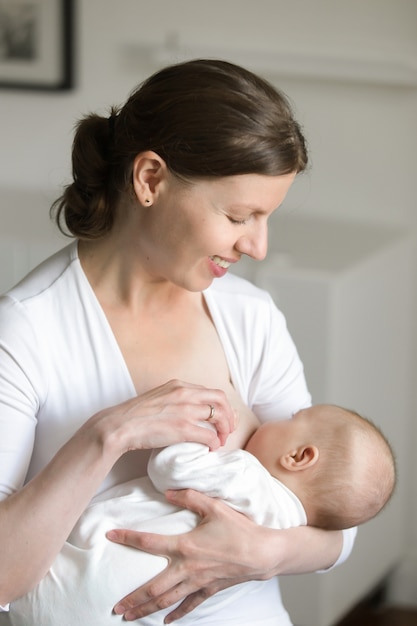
(60, 364)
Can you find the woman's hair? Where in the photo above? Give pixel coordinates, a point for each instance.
(357, 474)
(205, 118)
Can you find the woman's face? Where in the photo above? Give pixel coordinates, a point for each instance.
(194, 232)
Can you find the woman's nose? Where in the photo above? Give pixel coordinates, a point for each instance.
(254, 242)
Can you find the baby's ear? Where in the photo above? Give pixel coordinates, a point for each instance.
(301, 458)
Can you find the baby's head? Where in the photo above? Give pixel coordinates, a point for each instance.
(338, 463)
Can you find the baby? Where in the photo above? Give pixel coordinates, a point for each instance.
(326, 467)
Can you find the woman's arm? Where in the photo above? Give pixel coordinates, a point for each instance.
(40, 516)
(225, 549)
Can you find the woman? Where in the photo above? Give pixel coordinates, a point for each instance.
(168, 193)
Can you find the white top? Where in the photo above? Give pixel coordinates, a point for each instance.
(60, 363)
(95, 573)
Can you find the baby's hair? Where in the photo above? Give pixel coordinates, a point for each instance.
(356, 475)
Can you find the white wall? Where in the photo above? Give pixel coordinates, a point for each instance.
(358, 136)
(362, 133)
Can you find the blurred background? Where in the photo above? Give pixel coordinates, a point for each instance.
(342, 259)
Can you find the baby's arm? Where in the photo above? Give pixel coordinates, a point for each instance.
(235, 476)
(192, 466)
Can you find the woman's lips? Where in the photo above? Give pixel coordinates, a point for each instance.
(219, 261)
(218, 265)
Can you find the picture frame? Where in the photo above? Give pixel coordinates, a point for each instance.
(36, 44)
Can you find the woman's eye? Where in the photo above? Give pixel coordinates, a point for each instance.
(238, 222)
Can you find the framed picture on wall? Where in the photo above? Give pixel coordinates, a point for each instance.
(36, 39)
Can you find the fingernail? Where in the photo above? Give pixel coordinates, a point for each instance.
(119, 609)
(129, 617)
(111, 534)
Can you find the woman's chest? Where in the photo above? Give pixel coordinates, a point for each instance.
(185, 347)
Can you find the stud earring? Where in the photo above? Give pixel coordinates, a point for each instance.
(148, 202)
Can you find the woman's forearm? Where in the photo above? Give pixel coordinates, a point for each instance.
(301, 550)
(36, 521)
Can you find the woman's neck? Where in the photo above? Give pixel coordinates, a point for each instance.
(117, 276)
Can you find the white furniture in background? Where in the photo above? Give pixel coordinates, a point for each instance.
(347, 292)
(369, 70)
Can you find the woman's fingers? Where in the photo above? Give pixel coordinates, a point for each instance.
(198, 502)
(174, 412)
(222, 417)
(152, 543)
(160, 592)
(170, 598)
(193, 600)
(199, 562)
(213, 406)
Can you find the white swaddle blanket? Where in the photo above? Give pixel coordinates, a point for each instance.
(91, 574)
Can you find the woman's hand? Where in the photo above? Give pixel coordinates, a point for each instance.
(168, 414)
(225, 549)
(217, 554)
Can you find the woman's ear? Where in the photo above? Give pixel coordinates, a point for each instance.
(301, 458)
(149, 170)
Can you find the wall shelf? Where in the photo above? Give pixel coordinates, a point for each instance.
(305, 66)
